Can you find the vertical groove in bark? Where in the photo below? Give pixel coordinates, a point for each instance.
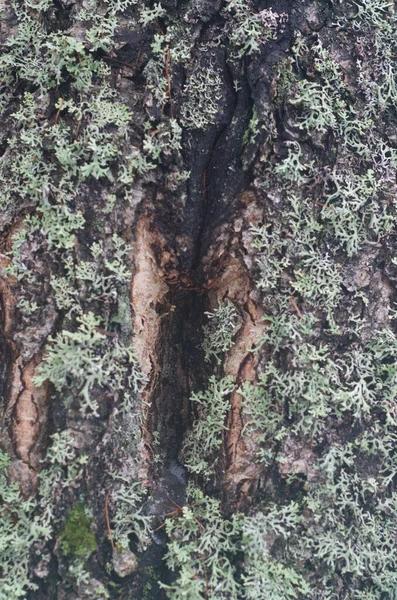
(24, 420)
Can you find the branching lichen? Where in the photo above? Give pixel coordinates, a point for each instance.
(222, 326)
(201, 444)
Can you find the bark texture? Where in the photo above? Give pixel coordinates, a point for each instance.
(197, 328)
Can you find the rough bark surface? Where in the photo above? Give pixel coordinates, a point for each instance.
(197, 327)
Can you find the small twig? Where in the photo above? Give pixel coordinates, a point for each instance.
(174, 514)
(110, 334)
(174, 503)
(120, 62)
(170, 515)
(138, 58)
(322, 204)
(167, 74)
(107, 520)
(181, 507)
(78, 129)
(58, 111)
(201, 526)
(296, 307)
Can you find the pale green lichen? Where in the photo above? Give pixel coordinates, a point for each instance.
(20, 528)
(202, 96)
(205, 438)
(222, 326)
(201, 548)
(250, 29)
(85, 359)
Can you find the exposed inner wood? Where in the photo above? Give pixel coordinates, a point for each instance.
(25, 405)
(29, 416)
(169, 312)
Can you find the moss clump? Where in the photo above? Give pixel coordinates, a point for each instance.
(77, 538)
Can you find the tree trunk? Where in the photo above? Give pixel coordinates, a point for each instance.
(198, 340)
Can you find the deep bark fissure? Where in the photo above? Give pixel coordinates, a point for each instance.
(181, 354)
(210, 155)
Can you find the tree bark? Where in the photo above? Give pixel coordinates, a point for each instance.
(198, 338)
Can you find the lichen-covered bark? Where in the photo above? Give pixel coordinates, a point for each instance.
(197, 323)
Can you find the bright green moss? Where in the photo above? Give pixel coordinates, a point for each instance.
(77, 538)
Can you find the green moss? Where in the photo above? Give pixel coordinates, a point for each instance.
(77, 538)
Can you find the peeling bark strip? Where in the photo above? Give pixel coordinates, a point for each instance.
(24, 405)
(29, 406)
(228, 262)
(148, 294)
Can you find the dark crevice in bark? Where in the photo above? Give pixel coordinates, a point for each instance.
(220, 161)
(6, 361)
(210, 156)
(181, 353)
(225, 176)
(220, 169)
(181, 372)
